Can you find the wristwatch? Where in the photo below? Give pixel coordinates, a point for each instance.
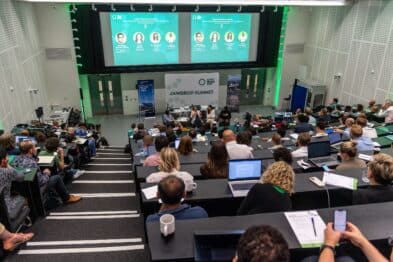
(327, 246)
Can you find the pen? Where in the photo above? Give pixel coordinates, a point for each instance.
(313, 226)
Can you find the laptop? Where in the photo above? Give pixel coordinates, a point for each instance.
(319, 154)
(216, 245)
(335, 140)
(243, 174)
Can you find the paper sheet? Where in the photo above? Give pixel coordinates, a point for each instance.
(303, 164)
(45, 159)
(365, 157)
(340, 181)
(150, 192)
(294, 136)
(302, 225)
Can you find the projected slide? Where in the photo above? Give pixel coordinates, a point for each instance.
(144, 38)
(220, 37)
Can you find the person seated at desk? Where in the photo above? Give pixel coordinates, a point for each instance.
(345, 134)
(323, 116)
(302, 142)
(12, 240)
(185, 146)
(140, 132)
(302, 124)
(169, 165)
(387, 111)
(363, 143)
(235, 150)
(224, 118)
(244, 138)
(276, 141)
(171, 190)
(148, 145)
(81, 131)
(283, 154)
(355, 236)
(380, 174)
(320, 130)
(334, 103)
(371, 105)
(349, 160)
(273, 193)
(193, 134)
(154, 160)
(367, 131)
(167, 118)
(262, 243)
(7, 141)
(28, 159)
(7, 175)
(217, 162)
(311, 118)
(52, 148)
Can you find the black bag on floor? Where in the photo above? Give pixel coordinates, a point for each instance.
(127, 149)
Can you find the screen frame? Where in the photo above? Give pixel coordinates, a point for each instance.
(91, 50)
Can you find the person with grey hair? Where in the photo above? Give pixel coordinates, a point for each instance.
(387, 111)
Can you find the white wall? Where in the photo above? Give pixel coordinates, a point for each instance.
(356, 41)
(61, 75)
(298, 22)
(21, 64)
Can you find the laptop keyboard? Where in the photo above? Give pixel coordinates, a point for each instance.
(325, 159)
(245, 186)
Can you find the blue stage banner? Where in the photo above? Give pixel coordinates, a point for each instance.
(233, 92)
(146, 97)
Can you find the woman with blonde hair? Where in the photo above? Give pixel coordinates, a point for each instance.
(185, 146)
(169, 165)
(348, 153)
(273, 193)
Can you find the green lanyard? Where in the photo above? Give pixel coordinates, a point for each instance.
(279, 189)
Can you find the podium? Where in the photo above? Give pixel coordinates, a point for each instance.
(307, 93)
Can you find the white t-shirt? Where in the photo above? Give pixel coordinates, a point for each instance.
(300, 152)
(238, 151)
(158, 176)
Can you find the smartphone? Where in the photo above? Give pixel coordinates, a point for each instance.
(340, 220)
(326, 168)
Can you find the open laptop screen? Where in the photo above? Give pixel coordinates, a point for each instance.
(319, 149)
(245, 169)
(334, 138)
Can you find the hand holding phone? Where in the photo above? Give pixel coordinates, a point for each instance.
(340, 220)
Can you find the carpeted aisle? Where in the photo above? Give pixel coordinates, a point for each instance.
(105, 226)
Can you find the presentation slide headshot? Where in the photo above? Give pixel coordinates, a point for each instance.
(243, 36)
(214, 37)
(155, 37)
(121, 38)
(199, 37)
(139, 38)
(229, 37)
(170, 37)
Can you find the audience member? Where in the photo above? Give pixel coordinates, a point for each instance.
(154, 160)
(171, 136)
(7, 175)
(346, 133)
(41, 139)
(276, 185)
(353, 234)
(193, 134)
(334, 103)
(211, 116)
(367, 131)
(82, 132)
(282, 131)
(148, 145)
(262, 243)
(171, 191)
(302, 142)
(27, 159)
(140, 132)
(363, 143)
(276, 141)
(244, 138)
(224, 117)
(217, 162)
(195, 117)
(380, 189)
(348, 153)
(169, 165)
(282, 154)
(387, 111)
(235, 150)
(323, 116)
(7, 141)
(320, 129)
(12, 240)
(185, 146)
(371, 104)
(311, 118)
(302, 124)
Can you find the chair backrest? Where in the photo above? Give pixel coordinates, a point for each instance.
(4, 218)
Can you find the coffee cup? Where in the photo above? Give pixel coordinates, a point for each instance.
(190, 185)
(167, 225)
